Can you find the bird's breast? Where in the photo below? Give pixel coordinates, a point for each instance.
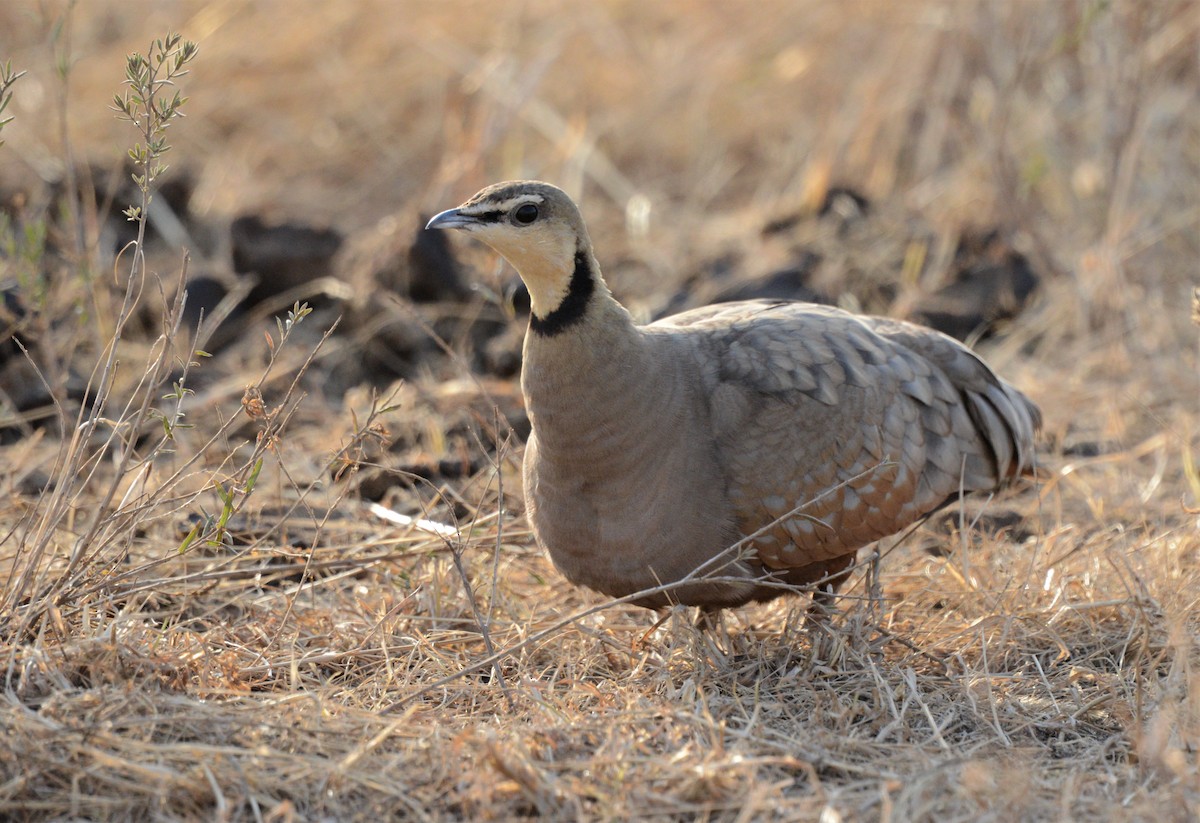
(621, 482)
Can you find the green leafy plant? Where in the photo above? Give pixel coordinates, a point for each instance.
(150, 106)
(122, 452)
(108, 426)
(7, 78)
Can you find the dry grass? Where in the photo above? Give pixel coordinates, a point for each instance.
(302, 659)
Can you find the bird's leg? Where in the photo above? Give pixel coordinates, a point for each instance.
(826, 594)
(657, 625)
(708, 618)
(836, 572)
(818, 620)
(712, 636)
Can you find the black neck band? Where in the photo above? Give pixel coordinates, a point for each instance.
(571, 310)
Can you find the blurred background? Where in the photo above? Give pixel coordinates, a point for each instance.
(1019, 174)
(1070, 125)
(1023, 175)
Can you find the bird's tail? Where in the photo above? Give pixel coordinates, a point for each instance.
(1009, 422)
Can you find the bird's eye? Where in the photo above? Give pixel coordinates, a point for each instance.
(526, 214)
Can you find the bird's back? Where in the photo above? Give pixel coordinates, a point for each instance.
(834, 430)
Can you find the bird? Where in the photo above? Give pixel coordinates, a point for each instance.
(735, 452)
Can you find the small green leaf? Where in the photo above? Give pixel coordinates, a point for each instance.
(191, 537)
(254, 476)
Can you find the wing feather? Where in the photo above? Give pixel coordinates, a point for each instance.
(862, 423)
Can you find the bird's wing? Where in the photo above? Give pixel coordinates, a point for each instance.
(840, 429)
(1005, 417)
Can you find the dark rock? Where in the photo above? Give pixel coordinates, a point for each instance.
(398, 255)
(840, 202)
(991, 283)
(387, 343)
(286, 256)
(434, 271)
(176, 188)
(108, 190)
(1081, 443)
(435, 471)
(1086, 448)
(789, 283)
(204, 294)
(844, 202)
(374, 483)
(501, 356)
(516, 295)
(989, 522)
(35, 483)
(785, 284)
(13, 315)
(27, 402)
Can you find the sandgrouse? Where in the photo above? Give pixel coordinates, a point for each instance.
(737, 450)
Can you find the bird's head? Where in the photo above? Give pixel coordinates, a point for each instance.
(535, 227)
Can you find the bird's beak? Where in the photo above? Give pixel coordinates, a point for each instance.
(451, 219)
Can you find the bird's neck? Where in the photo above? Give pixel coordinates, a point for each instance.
(584, 361)
(581, 319)
(583, 324)
(555, 310)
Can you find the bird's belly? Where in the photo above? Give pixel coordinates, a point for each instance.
(622, 531)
